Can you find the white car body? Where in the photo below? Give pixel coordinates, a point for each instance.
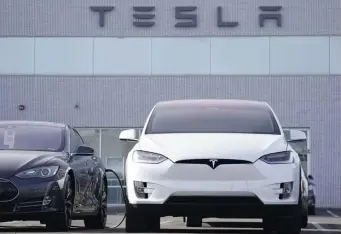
(245, 174)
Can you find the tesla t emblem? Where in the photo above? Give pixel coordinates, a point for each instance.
(213, 163)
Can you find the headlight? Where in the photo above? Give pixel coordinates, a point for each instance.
(148, 157)
(40, 172)
(278, 158)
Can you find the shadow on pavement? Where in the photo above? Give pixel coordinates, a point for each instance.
(40, 229)
(235, 224)
(122, 230)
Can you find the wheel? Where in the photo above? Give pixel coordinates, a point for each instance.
(304, 220)
(312, 210)
(99, 221)
(138, 221)
(194, 221)
(283, 226)
(62, 221)
(290, 225)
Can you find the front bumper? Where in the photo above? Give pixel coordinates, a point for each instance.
(34, 200)
(218, 207)
(168, 179)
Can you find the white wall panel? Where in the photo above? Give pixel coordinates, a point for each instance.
(180, 56)
(299, 55)
(335, 55)
(16, 56)
(240, 56)
(64, 56)
(122, 56)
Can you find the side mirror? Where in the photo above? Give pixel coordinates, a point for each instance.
(84, 150)
(129, 135)
(297, 135)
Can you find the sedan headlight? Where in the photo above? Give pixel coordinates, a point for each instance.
(148, 157)
(40, 172)
(278, 158)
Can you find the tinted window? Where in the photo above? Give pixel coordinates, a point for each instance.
(76, 140)
(212, 120)
(39, 138)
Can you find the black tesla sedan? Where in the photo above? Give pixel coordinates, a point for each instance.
(48, 174)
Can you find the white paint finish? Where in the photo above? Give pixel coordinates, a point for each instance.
(16, 56)
(299, 55)
(180, 56)
(240, 56)
(335, 55)
(64, 56)
(122, 56)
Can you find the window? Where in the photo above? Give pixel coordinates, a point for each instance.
(206, 119)
(75, 140)
(35, 138)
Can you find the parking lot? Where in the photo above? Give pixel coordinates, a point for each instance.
(325, 221)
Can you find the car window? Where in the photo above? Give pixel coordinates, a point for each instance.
(34, 138)
(75, 140)
(212, 120)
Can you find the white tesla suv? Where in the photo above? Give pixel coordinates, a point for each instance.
(214, 158)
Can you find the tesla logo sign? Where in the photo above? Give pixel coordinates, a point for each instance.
(187, 16)
(213, 163)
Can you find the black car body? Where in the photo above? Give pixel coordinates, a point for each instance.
(48, 174)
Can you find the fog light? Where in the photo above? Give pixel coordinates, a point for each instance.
(47, 200)
(142, 190)
(286, 190)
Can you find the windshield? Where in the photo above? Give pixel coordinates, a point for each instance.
(33, 138)
(212, 120)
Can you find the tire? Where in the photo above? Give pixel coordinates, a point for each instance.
(312, 210)
(99, 221)
(291, 225)
(138, 221)
(194, 221)
(62, 221)
(304, 220)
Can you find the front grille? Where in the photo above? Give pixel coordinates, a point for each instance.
(219, 161)
(30, 205)
(8, 191)
(6, 207)
(214, 200)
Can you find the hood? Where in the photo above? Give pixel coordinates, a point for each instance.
(221, 146)
(14, 161)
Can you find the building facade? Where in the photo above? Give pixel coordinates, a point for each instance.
(101, 65)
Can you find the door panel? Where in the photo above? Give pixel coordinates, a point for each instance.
(79, 164)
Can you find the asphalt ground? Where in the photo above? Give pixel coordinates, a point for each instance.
(325, 221)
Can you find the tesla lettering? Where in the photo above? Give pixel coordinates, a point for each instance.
(187, 16)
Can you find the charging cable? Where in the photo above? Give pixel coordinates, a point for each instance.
(123, 194)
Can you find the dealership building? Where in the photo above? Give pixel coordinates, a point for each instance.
(101, 66)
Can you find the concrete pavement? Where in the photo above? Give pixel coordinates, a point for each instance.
(326, 221)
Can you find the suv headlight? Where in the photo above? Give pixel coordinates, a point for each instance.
(40, 172)
(278, 158)
(148, 157)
